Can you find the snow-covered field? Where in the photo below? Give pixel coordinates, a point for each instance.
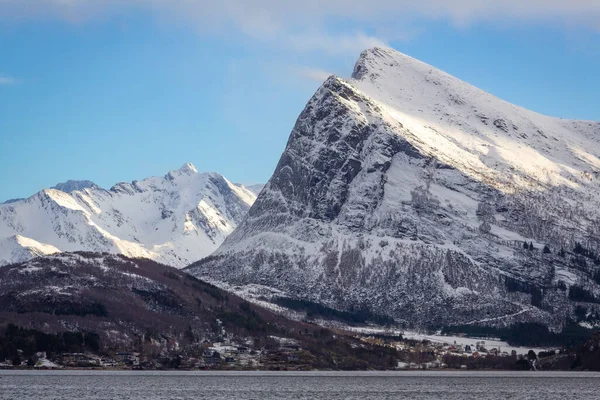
(451, 340)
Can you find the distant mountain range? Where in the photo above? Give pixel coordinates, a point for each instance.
(175, 219)
(255, 188)
(70, 186)
(408, 192)
(67, 187)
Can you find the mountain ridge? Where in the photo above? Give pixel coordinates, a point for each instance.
(181, 216)
(73, 185)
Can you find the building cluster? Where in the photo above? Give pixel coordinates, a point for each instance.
(226, 354)
(417, 354)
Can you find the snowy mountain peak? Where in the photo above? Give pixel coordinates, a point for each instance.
(407, 191)
(176, 219)
(376, 59)
(188, 168)
(367, 61)
(71, 186)
(471, 130)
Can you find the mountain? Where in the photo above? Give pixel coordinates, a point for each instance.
(11, 201)
(174, 219)
(71, 186)
(17, 247)
(107, 304)
(67, 187)
(256, 188)
(408, 192)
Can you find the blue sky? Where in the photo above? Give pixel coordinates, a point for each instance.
(116, 91)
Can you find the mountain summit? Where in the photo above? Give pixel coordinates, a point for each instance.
(175, 219)
(71, 186)
(409, 192)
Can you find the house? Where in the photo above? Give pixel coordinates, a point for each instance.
(79, 360)
(293, 358)
(128, 358)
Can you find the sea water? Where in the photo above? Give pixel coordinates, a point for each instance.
(157, 385)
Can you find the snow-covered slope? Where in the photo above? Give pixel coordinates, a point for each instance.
(407, 191)
(174, 219)
(16, 248)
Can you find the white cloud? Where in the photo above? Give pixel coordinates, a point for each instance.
(7, 80)
(317, 25)
(313, 74)
(269, 15)
(334, 43)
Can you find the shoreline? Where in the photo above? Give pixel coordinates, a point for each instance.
(315, 372)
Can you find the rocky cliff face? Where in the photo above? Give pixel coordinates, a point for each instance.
(175, 219)
(408, 192)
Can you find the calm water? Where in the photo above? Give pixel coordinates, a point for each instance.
(17, 385)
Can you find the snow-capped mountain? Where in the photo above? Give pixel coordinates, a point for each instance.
(71, 186)
(255, 188)
(406, 191)
(11, 201)
(174, 219)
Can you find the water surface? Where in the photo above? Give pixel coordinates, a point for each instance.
(157, 385)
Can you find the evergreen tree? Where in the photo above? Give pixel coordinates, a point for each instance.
(547, 249)
(531, 246)
(525, 246)
(16, 360)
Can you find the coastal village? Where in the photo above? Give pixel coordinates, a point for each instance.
(287, 354)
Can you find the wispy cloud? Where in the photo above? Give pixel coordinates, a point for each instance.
(285, 22)
(313, 74)
(271, 15)
(334, 43)
(7, 80)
